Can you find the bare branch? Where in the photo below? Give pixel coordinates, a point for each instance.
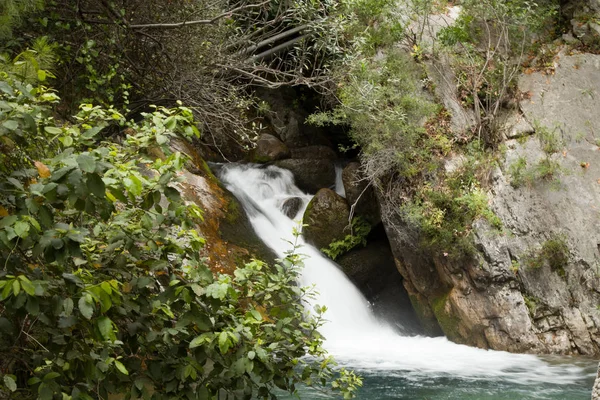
(197, 22)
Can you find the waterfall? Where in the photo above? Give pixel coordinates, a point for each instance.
(339, 183)
(352, 334)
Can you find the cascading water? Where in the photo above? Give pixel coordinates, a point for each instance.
(354, 336)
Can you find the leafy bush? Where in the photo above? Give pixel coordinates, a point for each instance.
(384, 107)
(554, 252)
(102, 289)
(358, 237)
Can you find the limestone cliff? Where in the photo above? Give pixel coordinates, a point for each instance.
(518, 293)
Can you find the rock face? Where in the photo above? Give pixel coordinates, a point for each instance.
(230, 238)
(270, 148)
(310, 175)
(327, 217)
(596, 389)
(356, 189)
(499, 299)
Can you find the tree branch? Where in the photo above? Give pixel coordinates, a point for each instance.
(197, 22)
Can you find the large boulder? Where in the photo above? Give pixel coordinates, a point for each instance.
(310, 175)
(269, 148)
(314, 153)
(357, 192)
(327, 218)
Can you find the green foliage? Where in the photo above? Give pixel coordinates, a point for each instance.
(531, 303)
(489, 41)
(12, 13)
(445, 213)
(554, 252)
(546, 168)
(517, 172)
(549, 140)
(32, 65)
(358, 237)
(384, 108)
(102, 288)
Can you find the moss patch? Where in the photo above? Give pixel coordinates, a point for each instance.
(448, 322)
(425, 316)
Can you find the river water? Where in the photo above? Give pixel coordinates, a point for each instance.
(395, 366)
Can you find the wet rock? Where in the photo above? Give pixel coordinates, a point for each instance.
(269, 148)
(327, 217)
(354, 186)
(230, 238)
(310, 175)
(291, 206)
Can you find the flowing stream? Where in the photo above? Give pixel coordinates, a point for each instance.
(395, 366)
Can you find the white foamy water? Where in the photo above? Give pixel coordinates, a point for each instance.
(353, 335)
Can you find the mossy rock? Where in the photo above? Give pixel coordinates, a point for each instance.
(447, 321)
(327, 218)
(425, 315)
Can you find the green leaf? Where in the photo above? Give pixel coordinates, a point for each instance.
(6, 88)
(170, 123)
(53, 130)
(105, 327)
(172, 194)
(161, 139)
(10, 383)
(224, 342)
(197, 341)
(22, 229)
(133, 185)
(106, 287)
(121, 367)
(41, 74)
(28, 287)
(8, 221)
(86, 162)
(45, 393)
(96, 185)
(256, 315)
(85, 308)
(68, 306)
(50, 376)
(67, 141)
(11, 124)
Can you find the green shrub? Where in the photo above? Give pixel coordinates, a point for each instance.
(517, 172)
(358, 237)
(549, 140)
(554, 252)
(102, 287)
